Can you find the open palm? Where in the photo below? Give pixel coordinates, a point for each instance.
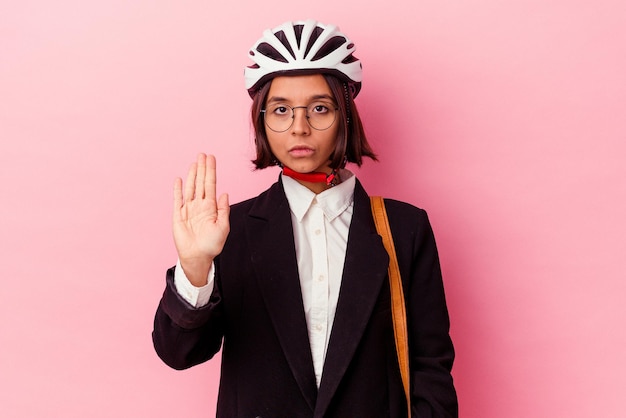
(200, 220)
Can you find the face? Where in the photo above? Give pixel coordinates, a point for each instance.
(302, 148)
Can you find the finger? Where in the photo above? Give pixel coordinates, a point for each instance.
(200, 176)
(211, 178)
(189, 185)
(178, 198)
(223, 208)
(223, 211)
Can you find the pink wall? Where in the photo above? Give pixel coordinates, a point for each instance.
(505, 120)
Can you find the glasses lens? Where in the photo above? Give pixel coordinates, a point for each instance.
(278, 117)
(320, 116)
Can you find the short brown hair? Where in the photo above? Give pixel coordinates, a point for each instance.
(351, 141)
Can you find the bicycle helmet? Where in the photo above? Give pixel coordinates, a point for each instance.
(303, 47)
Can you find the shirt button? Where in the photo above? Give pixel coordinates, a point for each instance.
(318, 231)
(321, 278)
(318, 327)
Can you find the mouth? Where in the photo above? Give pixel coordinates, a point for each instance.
(300, 151)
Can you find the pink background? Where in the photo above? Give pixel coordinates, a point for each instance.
(504, 119)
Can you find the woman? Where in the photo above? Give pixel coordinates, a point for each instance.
(292, 284)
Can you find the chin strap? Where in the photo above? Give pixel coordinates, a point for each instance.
(314, 177)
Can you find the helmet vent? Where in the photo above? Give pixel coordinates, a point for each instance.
(331, 45)
(280, 35)
(314, 35)
(350, 58)
(297, 29)
(270, 52)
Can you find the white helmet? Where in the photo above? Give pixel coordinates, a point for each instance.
(303, 47)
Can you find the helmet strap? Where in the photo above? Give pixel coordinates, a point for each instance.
(331, 179)
(347, 97)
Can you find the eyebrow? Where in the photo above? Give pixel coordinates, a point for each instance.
(278, 99)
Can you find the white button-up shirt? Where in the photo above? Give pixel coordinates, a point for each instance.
(320, 226)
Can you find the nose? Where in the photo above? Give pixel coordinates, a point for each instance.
(300, 121)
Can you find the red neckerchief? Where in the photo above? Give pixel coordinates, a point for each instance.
(314, 177)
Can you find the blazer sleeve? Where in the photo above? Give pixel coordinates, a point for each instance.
(430, 348)
(183, 335)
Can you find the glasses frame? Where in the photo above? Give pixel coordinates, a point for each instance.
(293, 118)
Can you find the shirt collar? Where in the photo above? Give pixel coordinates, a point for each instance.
(332, 201)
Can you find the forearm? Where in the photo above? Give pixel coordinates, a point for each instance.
(183, 335)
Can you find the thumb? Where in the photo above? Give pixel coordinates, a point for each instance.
(223, 208)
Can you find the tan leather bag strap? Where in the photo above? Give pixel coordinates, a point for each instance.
(398, 310)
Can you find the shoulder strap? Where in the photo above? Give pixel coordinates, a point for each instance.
(398, 310)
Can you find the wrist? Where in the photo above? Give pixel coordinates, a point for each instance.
(196, 270)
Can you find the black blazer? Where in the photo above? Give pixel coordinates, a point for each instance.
(256, 315)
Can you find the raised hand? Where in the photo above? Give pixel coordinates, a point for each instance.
(200, 222)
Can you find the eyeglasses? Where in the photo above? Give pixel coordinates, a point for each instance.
(320, 116)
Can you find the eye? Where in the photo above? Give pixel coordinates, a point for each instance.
(280, 110)
(319, 108)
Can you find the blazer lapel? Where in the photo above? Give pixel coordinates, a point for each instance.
(274, 259)
(365, 271)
